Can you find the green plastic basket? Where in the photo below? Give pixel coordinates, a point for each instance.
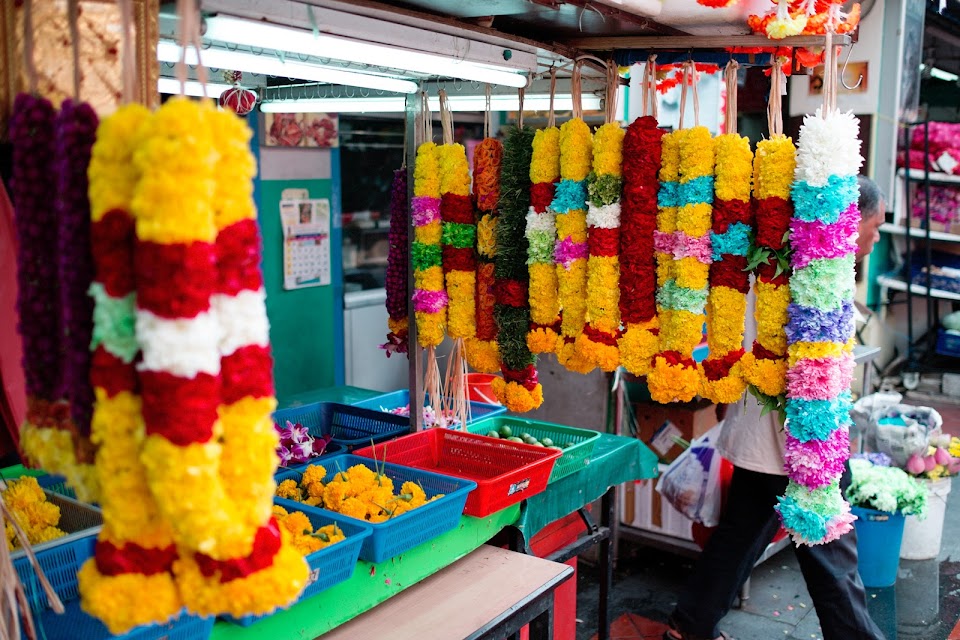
(574, 458)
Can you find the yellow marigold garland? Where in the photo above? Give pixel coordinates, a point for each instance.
(429, 297)
(541, 235)
(458, 240)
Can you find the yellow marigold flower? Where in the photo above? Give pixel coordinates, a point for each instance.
(236, 169)
(680, 330)
(774, 166)
(695, 219)
(430, 328)
(696, 154)
(691, 273)
(727, 310)
(667, 219)
(119, 602)
(672, 383)
(665, 269)
(289, 490)
(297, 523)
(542, 340)
(315, 473)
(333, 534)
(414, 490)
(307, 544)
(454, 170)
(483, 355)
(545, 163)
(544, 303)
(573, 225)
(353, 508)
(769, 376)
(516, 397)
(638, 345)
(571, 359)
(771, 316)
(572, 283)
(575, 150)
(429, 279)
(430, 233)
(461, 311)
(426, 173)
(487, 236)
(278, 511)
(670, 156)
(604, 356)
(608, 149)
(23, 492)
(810, 350)
(734, 167)
(112, 173)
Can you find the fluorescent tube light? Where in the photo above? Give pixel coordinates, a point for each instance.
(940, 74)
(191, 88)
(269, 36)
(268, 64)
(396, 104)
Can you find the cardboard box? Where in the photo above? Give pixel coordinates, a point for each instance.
(641, 506)
(658, 424)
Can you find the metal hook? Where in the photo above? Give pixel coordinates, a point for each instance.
(844, 70)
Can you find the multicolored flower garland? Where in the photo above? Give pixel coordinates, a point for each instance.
(458, 240)
(571, 251)
(597, 344)
(209, 434)
(541, 235)
(135, 549)
(823, 235)
(519, 389)
(429, 297)
(722, 377)
(765, 367)
(482, 354)
(398, 256)
(683, 281)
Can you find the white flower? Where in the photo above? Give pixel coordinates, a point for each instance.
(541, 222)
(243, 320)
(828, 146)
(182, 346)
(605, 217)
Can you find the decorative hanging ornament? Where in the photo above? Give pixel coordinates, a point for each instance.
(237, 99)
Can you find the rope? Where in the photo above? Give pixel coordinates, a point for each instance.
(775, 102)
(73, 14)
(487, 114)
(613, 81)
(189, 35)
(730, 75)
(552, 117)
(28, 63)
(696, 98)
(575, 90)
(520, 95)
(652, 81)
(129, 61)
(683, 93)
(446, 122)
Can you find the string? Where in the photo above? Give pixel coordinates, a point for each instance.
(645, 90)
(551, 117)
(731, 78)
(445, 123)
(520, 95)
(683, 93)
(575, 90)
(129, 60)
(487, 114)
(613, 80)
(189, 35)
(72, 20)
(28, 63)
(654, 103)
(696, 98)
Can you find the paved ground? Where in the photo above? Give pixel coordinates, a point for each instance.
(923, 605)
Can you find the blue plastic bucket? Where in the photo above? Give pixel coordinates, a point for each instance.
(879, 534)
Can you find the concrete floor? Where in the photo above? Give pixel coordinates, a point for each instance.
(923, 605)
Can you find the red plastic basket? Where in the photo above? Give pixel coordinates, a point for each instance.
(505, 472)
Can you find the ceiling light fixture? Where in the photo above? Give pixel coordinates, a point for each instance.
(397, 104)
(271, 65)
(190, 88)
(268, 36)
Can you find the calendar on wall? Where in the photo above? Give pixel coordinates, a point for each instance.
(306, 242)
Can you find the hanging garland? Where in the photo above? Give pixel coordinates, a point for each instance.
(458, 240)
(598, 342)
(722, 380)
(135, 550)
(203, 415)
(482, 354)
(821, 327)
(541, 235)
(804, 17)
(429, 296)
(519, 389)
(638, 279)
(397, 264)
(683, 281)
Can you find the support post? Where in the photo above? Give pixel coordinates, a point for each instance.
(414, 354)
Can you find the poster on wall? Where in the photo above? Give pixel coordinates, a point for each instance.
(306, 243)
(300, 130)
(854, 76)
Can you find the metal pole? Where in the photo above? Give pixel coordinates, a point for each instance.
(414, 353)
(908, 269)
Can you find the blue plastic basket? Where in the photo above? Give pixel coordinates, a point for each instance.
(948, 344)
(401, 398)
(328, 566)
(57, 484)
(400, 534)
(350, 426)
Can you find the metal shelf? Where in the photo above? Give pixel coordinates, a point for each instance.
(916, 232)
(900, 285)
(919, 175)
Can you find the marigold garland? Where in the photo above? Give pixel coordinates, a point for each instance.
(765, 367)
(570, 253)
(804, 17)
(598, 342)
(820, 328)
(135, 548)
(638, 281)
(519, 389)
(429, 297)
(684, 255)
(541, 235)
(482, 354)
(398, 257)
(458, 240)
(722, 377)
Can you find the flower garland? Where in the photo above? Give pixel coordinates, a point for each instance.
(458, 241)
(570, 253)
(207, 421)
(429, 297)
(765, 367)
(482, 354)
(519, 389)
(820, 330)
(804, 17)
(638, 280)
(598, 342)
(135, 550)
(398, 258)
(722, 376)
(683, 281)
(541, 235)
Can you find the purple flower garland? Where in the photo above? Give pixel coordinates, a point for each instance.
(32, 137)
(397, 266)
(76, 131)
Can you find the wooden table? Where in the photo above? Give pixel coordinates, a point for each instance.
(491, 593)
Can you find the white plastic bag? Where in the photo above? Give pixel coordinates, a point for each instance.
(692, 482)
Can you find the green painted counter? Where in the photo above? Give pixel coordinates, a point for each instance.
(615, 460)
(371, 584)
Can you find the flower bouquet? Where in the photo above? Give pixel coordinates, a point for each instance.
(885, 488)
(941, 459)
(297, 446)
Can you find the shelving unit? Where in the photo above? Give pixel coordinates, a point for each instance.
(898, 284)
(937, 236)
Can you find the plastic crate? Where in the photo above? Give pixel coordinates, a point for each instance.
(74, 624)
(331, 565)
(56, 484)
(574, 458)
(948, 344)
(401, 398)
(400, 534)
(350, 426)
(505, 472)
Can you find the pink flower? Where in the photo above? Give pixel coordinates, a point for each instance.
(915, 464)
(929, 464)
(942, 456)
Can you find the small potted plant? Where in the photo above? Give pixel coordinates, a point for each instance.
(935, 467)
(881, 496)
